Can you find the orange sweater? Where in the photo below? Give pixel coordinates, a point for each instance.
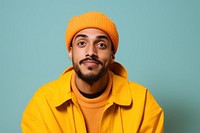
(92, 109)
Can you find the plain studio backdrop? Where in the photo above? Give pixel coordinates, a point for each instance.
(159, 46)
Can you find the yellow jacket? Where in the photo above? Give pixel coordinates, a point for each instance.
(130, 109)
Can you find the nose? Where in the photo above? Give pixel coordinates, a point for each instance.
(91, 50)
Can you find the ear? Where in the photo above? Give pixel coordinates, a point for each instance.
(70, 53)
(112, 58)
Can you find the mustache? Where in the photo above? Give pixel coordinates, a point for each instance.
(92, 59)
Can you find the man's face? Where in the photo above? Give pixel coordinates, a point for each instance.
(91, 54)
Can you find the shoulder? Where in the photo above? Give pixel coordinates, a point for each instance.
(56, 87)
(46, 89)
(138, 91)
(56, 91)
(136, 86)
(46, 92)
(142, 95)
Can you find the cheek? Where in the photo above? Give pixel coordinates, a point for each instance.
(107, 58)
(77, 55)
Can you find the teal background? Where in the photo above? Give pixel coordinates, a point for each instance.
(159, 46)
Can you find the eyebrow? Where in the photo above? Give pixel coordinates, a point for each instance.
(98, 37)
(103, 37)
(80, 35)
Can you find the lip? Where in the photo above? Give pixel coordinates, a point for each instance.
(90, 63)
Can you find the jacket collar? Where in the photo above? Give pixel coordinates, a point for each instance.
(120, 94)
(63, 91)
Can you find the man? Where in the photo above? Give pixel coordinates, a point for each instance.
(93, 96)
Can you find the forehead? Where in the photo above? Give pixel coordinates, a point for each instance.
(92, 32)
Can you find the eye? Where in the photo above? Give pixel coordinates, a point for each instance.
(81, 44)
(102, 45)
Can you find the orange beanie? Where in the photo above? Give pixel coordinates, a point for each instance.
(92, 20)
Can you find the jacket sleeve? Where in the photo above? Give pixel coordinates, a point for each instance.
(31, 120)
(153, 120)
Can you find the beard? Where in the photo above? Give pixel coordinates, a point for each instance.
(91, 77)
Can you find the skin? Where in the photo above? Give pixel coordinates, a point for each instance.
(91, 54)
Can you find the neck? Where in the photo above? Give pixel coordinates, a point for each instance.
(91, 88)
